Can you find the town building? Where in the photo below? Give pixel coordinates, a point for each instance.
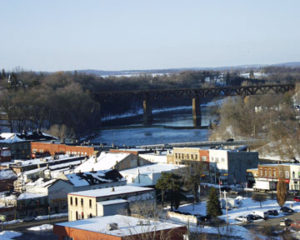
(108, 160)
(83, 205)
(119, 227)
(230, 166)
(19, 143)
(57, 190)
(38, 148)
(218, 165)
(149, 174)
(269, 175)
(7, 178)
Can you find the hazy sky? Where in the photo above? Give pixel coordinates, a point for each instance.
(140, 34)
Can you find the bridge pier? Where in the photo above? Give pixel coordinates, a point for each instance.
(196, 108)
(147, 107)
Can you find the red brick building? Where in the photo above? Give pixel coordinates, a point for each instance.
(118, 227)
(52, 149)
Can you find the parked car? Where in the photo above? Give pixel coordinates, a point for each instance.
(262, 214)
(242, 219)
(297, 199)
(285, 222)
(273, 212)
(286, 210)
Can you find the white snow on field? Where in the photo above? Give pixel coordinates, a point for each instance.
(231, 230)
(8, 235)
(43, 227)
(248, 206)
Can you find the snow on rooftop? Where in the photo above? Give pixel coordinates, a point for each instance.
(153, 168)
(90, 178)
(45, 160)
(7, 174)
(103, 162)
(112, 202)
(126, 225)
(112, 191)
(27, 195)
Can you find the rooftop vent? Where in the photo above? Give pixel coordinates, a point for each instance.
(112, 226)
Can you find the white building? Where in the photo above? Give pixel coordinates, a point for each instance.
(148, 175)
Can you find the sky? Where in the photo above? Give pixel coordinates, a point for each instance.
(57, 35)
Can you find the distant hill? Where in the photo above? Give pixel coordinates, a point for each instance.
(176, 70)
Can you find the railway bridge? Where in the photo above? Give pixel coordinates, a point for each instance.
(196, 95)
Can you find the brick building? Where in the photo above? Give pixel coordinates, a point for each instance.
(118, 227)
(53, 149)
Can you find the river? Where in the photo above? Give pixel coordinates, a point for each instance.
(169, 125)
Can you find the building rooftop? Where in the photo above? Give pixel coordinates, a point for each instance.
(126, 226)
(153, 168)
(112, 202)
(92, 178)
(111, 191)
(103, 162)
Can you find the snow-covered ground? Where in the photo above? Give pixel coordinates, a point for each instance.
(8, 235)
(248, 206)
(43, 227)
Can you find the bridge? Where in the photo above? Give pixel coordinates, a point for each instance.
(196, 94)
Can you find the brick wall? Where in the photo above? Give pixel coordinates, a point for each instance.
(53, 148)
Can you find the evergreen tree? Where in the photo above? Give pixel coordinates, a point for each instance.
(213, 207)
(170, 185)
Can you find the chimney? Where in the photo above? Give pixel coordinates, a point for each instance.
(112, 189)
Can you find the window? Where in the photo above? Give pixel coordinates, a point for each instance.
(293, 174)
(270, 173)
(223, 160)
(261, 172)
(91, 215)
(287, 174)
(71, 200)
(76, 215)
(175, 155)
(90, 203)
(203, 158)
(274, 173)
(196, 156)
(187, 156)
(266, 173)
(76, 202)
(82, 202)
(192, 156)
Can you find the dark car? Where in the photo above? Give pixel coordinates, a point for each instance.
(286, 210)
(297, 199)
(230, 140)
(225, 188)
(273, 212)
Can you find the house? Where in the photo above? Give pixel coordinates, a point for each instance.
(57, 189)
(7, 178)
(119, 161)
(83, 205)
(149, 174)
(119, 227)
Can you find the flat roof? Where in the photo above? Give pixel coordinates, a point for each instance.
(126, 226)
(153, 168)
(110, 192)
(112, 202)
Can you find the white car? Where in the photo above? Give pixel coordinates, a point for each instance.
(242, 218)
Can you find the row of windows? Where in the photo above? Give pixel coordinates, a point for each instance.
(189, 156)
(81, 201)
(273, 173)
(216, 159)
